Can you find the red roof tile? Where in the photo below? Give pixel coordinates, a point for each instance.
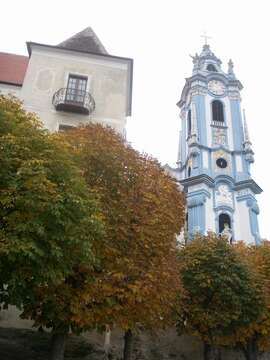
(13, 68)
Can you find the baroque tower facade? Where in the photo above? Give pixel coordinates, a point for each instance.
(215, 153)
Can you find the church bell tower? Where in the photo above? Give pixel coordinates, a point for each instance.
(215, 153)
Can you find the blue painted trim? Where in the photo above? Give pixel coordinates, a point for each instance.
(196, 211)
(224, 208)
(195, 161)
(199, 101)
(199, 192)
(245, 197)
(246, 166)
(183, 141)
(196, 200)
(196, 220)
(237, 127)
(234, 166)
(253, 218)
(228, 180)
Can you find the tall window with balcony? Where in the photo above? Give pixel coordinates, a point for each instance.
(74, 98)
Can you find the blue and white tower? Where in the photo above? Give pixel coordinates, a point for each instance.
(215, 153)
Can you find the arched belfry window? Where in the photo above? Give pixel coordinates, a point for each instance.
(217, 111)
(211, 67)
(189, 171)
(189, 122)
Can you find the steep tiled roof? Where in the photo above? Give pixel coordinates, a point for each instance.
(85, 40)
(12, 68)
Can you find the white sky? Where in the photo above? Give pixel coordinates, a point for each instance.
(159, 35)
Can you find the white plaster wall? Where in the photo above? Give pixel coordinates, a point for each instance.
(198, 187)
(228, 118)
(208, 119)
(242, 223)
(209, 215)
(206, 164)
(6, 89)
(239, 165)
(48, 72)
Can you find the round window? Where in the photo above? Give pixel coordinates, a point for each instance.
(222, 163)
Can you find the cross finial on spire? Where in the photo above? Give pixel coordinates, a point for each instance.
(206, 37)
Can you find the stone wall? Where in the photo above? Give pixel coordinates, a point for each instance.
(165, 345)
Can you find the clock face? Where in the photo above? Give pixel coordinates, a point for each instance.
(222, 163)
(216, 87)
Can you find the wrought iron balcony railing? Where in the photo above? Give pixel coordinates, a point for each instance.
(73, 100)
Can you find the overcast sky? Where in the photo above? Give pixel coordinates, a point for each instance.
(159, 36)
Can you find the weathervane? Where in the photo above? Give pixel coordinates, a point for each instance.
(205, 37)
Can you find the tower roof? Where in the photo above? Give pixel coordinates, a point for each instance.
(85, 40)
(207, 54)
(206, 57)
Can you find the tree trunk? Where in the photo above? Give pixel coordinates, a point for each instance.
(128, 339)
(211, 352)
(58, 344)
(251, 350)
(107, 341)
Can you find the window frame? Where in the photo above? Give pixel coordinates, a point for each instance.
(220, 111)
(76, 97)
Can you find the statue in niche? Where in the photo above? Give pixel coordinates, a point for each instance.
(227, 232)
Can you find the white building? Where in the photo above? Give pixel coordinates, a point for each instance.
(72, 83)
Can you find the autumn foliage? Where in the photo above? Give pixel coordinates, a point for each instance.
(219, 295)
(88, 232)
(133, 281)
(255, 336)
(48, 217)
(143, 211)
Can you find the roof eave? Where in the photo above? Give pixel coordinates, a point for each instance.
(11, 83)
(30, 44)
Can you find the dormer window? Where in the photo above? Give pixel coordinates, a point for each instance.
(211, 67)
